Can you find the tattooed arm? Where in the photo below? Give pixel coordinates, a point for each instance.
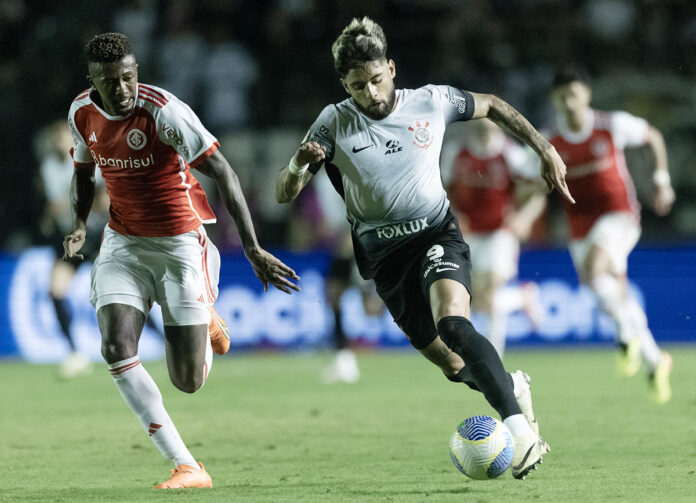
(553, 169)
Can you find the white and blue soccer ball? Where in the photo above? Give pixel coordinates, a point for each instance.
(481, 447)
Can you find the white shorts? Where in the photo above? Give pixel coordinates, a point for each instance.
(616, 233)
(180, 273)
(494, 252)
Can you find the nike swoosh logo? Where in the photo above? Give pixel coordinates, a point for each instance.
(445, 269)
(356, 150)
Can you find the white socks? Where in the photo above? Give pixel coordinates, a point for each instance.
(518, 426)
(629, 316)
(639, 325)
(141, 394)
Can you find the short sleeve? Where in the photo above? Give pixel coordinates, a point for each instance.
(80, 152)
(457, 104)
(179, 127)
(322, 132)
(628, 130)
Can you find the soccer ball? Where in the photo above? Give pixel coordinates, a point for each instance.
(481, 447)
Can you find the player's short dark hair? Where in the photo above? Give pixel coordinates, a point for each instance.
(107, 48)
(361, 41)
(568, 73)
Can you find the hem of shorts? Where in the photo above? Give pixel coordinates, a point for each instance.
(121, 298)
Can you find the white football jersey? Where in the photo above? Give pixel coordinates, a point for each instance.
(388, 170)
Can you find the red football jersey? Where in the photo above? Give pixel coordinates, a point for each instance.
(597, 176)
(145, 159)
(482, 182)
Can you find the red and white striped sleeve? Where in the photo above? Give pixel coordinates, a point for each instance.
(179, 127)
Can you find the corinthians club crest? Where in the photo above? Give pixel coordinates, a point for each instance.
(422, 137)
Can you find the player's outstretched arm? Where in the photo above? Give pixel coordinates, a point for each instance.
(663, 194)
(82, 192)
(553, 169)
(293, 177)
(266, 267)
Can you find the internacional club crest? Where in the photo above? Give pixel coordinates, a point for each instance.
(136, 139)
(422, 138)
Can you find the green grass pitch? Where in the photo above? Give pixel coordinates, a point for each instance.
(268, 430)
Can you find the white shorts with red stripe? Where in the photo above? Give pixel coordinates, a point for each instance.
(180, 273)
(616, 233)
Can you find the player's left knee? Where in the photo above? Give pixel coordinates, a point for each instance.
(189, 383)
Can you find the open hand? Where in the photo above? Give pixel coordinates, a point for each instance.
(271, 270)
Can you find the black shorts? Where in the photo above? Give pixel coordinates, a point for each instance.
(404, 278)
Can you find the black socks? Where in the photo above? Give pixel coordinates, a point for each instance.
(483, 370)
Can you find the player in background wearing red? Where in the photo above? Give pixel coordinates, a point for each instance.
(497, 196)
(605, 221)
(155, 248)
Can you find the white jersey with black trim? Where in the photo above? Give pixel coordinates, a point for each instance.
(388, 170)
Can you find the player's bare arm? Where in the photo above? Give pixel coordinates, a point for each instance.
(663, 194)
(293, 177)
(266, 267)
(553, 169)
(82, 193)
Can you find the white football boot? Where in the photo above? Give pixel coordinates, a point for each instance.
(529, 450)
(523, 394)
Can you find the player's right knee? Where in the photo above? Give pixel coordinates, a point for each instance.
(115, 351)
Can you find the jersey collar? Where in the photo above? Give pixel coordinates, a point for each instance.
(577, 136)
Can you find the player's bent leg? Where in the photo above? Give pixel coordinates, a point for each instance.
(187, 360)
(449, 303)
(121, 326)
(611, 293)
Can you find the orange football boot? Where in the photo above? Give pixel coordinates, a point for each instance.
(219, 333)
(184, 476)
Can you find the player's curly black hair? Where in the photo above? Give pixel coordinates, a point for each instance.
(570, 72)
(361, 41)
(107, 48)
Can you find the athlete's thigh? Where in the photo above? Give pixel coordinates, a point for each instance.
(120, 274)
(120, 326)
(449, 297)
(446, 277)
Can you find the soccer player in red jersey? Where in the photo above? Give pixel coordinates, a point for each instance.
(605, 221)
(155, 248)
(496, 193)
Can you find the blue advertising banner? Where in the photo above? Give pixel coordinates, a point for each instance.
(663, 279)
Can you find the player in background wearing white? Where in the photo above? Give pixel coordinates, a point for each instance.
(381, 149)
(495, 192)
(155, 248)
(605, 221)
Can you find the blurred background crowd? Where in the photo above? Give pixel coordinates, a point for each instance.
(258, 72)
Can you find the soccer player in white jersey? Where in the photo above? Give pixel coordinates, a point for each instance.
(605, 222)
(154, 248)
(494, 193)
(381, 150)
